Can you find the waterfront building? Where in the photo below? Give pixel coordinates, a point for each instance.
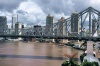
(74, 24)
(60, 27)
(18, 28)
(3, 24)
(49, 25)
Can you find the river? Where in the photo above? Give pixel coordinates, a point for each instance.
(18, 53)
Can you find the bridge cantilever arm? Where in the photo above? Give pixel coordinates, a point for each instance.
(94, 10)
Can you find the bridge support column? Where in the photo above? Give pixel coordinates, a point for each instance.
(90, 47)
(89, 57)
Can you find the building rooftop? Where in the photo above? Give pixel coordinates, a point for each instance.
(75, 13)
(37, 25)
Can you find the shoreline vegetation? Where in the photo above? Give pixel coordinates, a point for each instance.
(72, 62)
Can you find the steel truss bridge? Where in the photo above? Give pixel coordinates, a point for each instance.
(85, 18)
(54, 37)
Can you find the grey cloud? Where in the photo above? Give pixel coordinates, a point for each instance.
(21, 12)
(49, 6)
(81, 4)
(55, 6)
(63, 6)
(9, 5)
(25, 19)
(30, 23)
(39, 20)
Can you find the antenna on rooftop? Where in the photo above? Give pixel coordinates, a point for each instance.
(76, 10)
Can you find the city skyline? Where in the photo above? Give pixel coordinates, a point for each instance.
(34, 12)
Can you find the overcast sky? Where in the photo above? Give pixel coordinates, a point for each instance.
(34, 12)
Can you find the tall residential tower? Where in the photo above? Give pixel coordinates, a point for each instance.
(74, 24)
(3, 24)
(49, 25)
(60, 27)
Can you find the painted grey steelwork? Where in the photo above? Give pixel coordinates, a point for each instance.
(89, 21)
(84, 17)
(89, 14)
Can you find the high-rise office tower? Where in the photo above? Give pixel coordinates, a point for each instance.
(60, 27)
(12, 23)
(74, 24)
(3, 24)
(14, 20)
(49, 25)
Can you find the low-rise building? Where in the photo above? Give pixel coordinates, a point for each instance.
(18, 28)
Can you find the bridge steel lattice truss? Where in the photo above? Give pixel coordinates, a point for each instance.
(84, 17)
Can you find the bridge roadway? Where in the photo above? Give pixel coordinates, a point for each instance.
(17, 53)
(53, 37)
